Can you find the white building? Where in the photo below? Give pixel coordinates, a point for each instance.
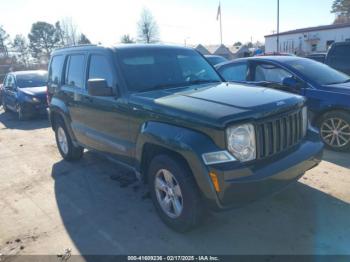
(308, 40)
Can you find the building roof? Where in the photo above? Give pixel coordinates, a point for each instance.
(310, 29)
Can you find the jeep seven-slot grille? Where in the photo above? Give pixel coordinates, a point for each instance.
(279, 134)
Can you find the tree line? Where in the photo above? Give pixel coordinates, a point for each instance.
(43, 38)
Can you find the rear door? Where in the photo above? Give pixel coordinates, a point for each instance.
(73, 90)
(102, 120)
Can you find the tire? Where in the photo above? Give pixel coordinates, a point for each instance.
(335, 130)
(4, 105)
(183, 183)
(20, 114)
(64, 143)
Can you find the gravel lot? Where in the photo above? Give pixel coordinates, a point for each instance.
(95, 207)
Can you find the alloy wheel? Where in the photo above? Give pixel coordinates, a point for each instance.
(168, 193)
(335, 132)
(62, 140)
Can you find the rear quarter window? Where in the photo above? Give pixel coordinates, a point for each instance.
(55, 70)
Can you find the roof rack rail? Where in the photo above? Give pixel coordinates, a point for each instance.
(75, 46)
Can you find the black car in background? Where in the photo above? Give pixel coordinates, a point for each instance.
(338, 57)
(319, 57)
(215, 59)
(24, 92)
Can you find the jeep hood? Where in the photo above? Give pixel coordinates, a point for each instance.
(217, 104)
(34, 91)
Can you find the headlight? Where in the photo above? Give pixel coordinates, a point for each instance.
(241, 142)
(31, 99)
(36, 100)
(305, 120)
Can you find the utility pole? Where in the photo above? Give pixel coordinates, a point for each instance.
(278, 26)
(218, 15)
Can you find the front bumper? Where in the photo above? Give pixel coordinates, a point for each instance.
(244, 183)
(31, 109)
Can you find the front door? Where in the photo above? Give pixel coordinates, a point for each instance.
(273, 76)
(10, 92)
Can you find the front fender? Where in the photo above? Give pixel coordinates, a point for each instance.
(188, 143)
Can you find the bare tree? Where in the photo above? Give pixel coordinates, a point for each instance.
(127, 39)
(83, 40)
(68, 32)
(147, 28)
(3, 42)
(21, 48)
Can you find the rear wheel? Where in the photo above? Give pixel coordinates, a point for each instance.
(64, 143)
(174, 193)
(335, 130)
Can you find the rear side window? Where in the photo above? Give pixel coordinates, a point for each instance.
(100, 68)
(55, 70)
(75, 71)
(236, 72)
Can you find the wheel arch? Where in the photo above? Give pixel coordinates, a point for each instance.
(319, 115)
(184, 144)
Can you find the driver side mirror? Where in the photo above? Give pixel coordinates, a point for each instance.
(99, 87)
(291, 82)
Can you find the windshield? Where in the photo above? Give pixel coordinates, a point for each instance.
(153, 69)
(318, 72)
(31, 80)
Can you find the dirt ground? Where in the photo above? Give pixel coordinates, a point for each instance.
(95, 207)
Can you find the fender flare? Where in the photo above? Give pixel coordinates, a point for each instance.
(57, 107)
(188, 143)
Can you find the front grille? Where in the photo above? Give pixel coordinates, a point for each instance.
(279, 134)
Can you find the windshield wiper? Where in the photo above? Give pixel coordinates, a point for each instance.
(202, 81)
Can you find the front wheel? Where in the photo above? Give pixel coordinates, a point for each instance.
(4, 104)
(174, 193)
(335, 130)
(65, 145)
(20, 113)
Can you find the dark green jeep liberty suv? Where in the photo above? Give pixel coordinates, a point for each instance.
(164, 112)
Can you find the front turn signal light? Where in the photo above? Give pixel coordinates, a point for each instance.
(215, 181)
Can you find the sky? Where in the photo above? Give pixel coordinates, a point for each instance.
(179, 21)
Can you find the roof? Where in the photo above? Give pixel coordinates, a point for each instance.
(119, 47)
(16, 73)
(310, 29)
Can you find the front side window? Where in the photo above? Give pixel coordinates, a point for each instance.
(75, 71)
(10, 81)
(55, 70)
(154, 69)
(235, 73)
(101, 69)
(270, 73)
